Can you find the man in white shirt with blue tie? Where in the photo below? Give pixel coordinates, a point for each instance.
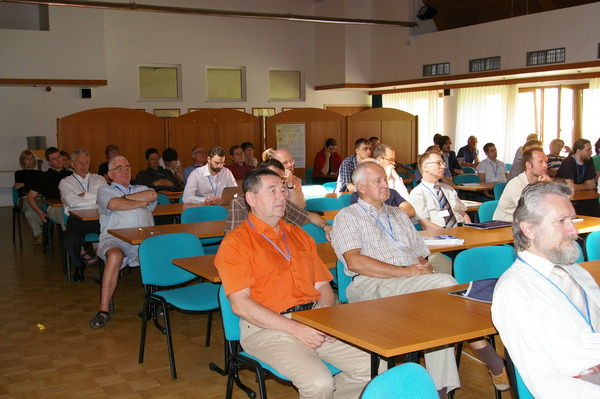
(546, 307)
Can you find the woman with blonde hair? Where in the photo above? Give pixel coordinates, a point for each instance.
(23, 178)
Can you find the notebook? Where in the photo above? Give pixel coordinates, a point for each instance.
(492, 224)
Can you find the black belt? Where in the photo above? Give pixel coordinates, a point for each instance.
(297, 308)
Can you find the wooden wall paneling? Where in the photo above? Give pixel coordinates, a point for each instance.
(320, 125)
(394, 127)
(132, 130)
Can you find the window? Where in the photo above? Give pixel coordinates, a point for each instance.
(484, 64)
(160, 81)
(24, 16)
(436, 69)
(226, 83)
(552, 56)
(285, 85)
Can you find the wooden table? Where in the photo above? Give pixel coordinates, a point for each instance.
(54, 202)
(160, 210)
(135, 235)
(483, 186)
(584, 195)
(403, 324)
(172, 194)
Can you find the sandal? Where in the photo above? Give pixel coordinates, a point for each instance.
(100, 319)
(89, 260)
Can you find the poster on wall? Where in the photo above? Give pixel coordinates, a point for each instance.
(291, 137)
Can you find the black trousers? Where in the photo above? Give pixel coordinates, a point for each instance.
(75, 237)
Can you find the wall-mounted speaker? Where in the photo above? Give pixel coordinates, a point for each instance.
(86, 93)
(446, 92)
(426, 13)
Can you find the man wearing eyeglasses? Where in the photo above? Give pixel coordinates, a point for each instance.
(386, 157)
(292, 183)
(199, 157)
(120, 205)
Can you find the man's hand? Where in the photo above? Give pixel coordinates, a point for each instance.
(162, 183)
(327, 229)
(214, 200)
(308, 336)
(588, 185)
(544, 178)
(43, 216)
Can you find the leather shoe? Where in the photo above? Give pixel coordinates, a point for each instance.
(78, 276)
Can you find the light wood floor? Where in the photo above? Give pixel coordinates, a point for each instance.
(47, 349)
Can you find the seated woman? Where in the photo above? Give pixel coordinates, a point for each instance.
(327, 163)
(23, 177)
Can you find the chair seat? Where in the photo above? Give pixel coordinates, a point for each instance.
(92, 237)
(186, 298)
(334, 370)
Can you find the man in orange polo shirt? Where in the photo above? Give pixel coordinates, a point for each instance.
(279, 273)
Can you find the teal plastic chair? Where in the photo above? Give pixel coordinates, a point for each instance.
(508, 165)
(159, 274)
(343, 281)
(482, 263)
(499, 189)
(486, 210)
(330, 186)
(581, 256)
(206, 213)
(308, 174)
(163, 199)
(17, 211)
(314, 191)
(238, 359)
(469, 170)
(316, 232)
(406, 381)
(461, 179)
(323, 204)
(592, 246)
(516, 382)
(345, 198)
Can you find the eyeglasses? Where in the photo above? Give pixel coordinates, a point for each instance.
(122, 168)
(440, 163)
(198, 152)
(289, 162)
(392, 160)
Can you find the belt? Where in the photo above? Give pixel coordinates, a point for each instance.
(297, 308)
(590, 371)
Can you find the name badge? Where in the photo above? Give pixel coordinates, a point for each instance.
(443, 213)
(590, 340)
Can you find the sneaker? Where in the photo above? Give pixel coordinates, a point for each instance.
(501, 380)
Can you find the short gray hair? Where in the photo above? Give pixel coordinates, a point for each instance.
(77, 152)
(532, 208)
(359, 175)
(113, 160)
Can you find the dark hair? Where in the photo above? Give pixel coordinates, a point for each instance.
(597, 147)
(579, 145)
(272, 162)
(233, 148)
(149, 152)
(441, 140)
(360, 141)
(373, 138)
(216, 151)
(253, 180)
(528, 155)
(49, 151)
(488, 146)
(109, 148)
(330, 141)
(169, 155)
(247, 144)
(64, 153)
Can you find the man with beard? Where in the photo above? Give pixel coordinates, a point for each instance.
(546, 307)
(205, 184)
(578, 168)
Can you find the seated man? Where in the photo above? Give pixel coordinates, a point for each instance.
(238, 208)
(280, 273)
(491, 169)
(362, 147)
(292, 183)
(110, 152)
(170, 160)
(436, 203)
(205, 185)
(546, 307)
(327, 163)
(248, 149)
(452, 167)
(517, 164)
(535, 164)
(238, 167)
(157, 177)
(554, 158)
(386, 157)
(79, 191)
(120, 205)
(469, 153)
(578, 168)
(385, 256)
(199, 157)
(46, 184)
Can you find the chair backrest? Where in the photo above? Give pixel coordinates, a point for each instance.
(460, 179)
(343, 281)
(519, 389)
(314, 191)
(483, 262)
(406, 381)
(157, 252)
(205, 213)
(323, 204)
(309, 178)
(499, 189)
(330, 186)
(345, 198)
(592, 246)
(15, 197)
(469, 169)
(486, 211)
(317, 233)
(231, 321)
(507, 166)
(163, 199)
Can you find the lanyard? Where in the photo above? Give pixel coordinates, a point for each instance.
(81, 184)
(588, 319)
(495, 170)
(124, 193)
(287, 256)
(435, 196)
(581, 176)
(214, 188)
(388, 230)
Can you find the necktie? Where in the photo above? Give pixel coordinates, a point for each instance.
(576, 293)
(450, 220)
